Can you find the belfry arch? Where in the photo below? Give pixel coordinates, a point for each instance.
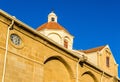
(56, 37)
(57, 69)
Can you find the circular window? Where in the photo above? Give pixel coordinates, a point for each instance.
(15, 39)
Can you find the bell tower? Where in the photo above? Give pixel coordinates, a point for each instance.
(52, 17)
(53, 30)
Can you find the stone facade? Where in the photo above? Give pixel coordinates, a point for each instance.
(29, 56)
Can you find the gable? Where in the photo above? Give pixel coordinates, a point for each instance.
(107, 61)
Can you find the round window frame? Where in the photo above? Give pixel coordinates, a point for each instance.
(13, 44)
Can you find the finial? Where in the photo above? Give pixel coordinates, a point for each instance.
(52, 10)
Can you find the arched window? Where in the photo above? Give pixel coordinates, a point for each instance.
(65, 43)
(52, 19)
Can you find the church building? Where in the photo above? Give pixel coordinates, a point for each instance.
(46, 54)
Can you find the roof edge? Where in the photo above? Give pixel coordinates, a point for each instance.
(95, 49)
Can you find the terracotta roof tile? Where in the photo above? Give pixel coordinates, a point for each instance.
(51, 25)
(92, 50)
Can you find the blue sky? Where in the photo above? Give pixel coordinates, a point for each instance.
(92, 22)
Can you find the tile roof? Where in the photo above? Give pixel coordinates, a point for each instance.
(92, 50)
(51, 25)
